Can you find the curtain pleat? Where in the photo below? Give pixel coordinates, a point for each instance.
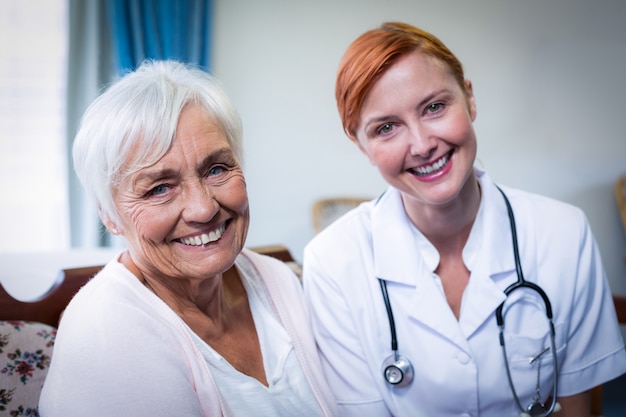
(90, 69)
(160, 29)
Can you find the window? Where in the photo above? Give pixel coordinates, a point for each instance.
(33, 161)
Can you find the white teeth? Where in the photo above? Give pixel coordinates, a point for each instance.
(203, 239)
(434, 167)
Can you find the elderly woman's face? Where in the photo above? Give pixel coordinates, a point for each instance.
(187, 215)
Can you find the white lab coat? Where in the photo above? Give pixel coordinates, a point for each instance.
(458, 365)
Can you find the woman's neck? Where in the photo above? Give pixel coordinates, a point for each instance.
(213, 298)
(447, 226)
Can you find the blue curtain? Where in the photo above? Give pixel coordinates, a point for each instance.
(160, 29)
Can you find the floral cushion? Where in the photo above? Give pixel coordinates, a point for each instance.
(25, 352)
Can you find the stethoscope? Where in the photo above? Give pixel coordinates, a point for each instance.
(398, 370)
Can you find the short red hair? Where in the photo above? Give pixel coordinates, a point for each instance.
(371, 54)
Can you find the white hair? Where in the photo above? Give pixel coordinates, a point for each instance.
(138, 116)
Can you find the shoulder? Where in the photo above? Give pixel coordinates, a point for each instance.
(546, 212)
(540, 202)
(117, 305)
(553, 232)
(346, 234)
(113, 285)
(531, 206)
(112, 325)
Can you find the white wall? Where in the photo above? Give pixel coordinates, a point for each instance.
(548, 78)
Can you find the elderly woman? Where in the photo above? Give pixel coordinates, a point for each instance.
(185, 322)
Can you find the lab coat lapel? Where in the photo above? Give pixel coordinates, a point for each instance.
(430, 308)
(489, 256)
(399, 258)
(481, 299)
(396, 256)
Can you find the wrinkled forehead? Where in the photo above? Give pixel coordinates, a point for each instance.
(140, 152)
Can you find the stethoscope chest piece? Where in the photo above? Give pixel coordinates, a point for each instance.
(398, 370)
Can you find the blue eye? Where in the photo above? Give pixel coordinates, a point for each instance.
(159, 189)
(216, 170)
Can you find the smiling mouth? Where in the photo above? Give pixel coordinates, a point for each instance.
(204, 238)
(433, 168)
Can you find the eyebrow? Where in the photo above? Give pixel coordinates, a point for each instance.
(431, 96)
(221, 154)
(158, 175)
(153, 176)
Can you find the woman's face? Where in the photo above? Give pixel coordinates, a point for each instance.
(187, 215)
(416, 128)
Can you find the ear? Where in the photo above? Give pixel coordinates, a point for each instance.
(109, 223)
(471, 100)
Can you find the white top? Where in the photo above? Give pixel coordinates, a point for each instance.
(459, 366)
(288, 393)
(121, 351)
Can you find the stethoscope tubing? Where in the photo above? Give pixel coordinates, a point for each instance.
(522, 283)
(392, 322)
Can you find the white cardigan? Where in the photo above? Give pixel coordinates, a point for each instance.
(120, 350)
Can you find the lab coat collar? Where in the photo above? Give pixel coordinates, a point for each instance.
(399, 247)
(493, 221)
(396, 251)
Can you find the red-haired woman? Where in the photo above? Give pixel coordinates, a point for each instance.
(448, 295)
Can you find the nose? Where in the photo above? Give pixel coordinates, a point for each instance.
(199, 203)
(422, 142)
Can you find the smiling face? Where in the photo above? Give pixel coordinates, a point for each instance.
(187, 215)
(415, 126)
